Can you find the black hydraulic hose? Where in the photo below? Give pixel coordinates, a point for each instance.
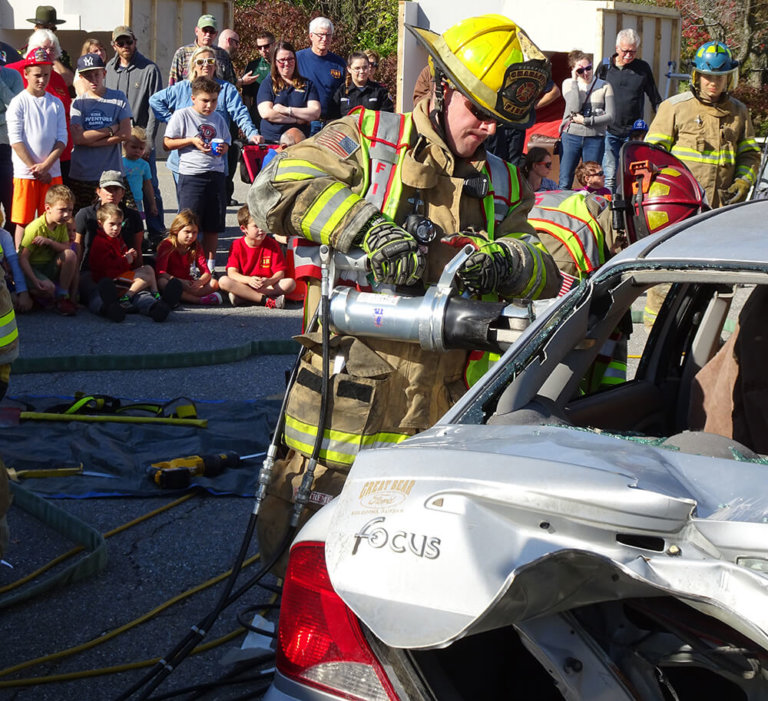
(164, 667)
(160, 671)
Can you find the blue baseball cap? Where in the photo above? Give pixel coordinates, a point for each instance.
(639, 125)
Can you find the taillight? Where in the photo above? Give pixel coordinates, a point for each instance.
(319, 639)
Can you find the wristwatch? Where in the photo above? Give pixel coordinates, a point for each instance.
(111, 133)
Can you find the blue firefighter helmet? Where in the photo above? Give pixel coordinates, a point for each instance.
(715, 58)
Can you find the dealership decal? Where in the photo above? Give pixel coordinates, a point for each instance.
(377, 536)
(385, 494)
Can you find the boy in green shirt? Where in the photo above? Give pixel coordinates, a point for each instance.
(46, 255)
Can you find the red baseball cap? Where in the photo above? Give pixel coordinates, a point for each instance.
(38, 57)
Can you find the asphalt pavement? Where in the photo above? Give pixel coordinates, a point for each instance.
(169, 553)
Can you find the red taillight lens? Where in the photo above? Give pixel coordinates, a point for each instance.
(319, 639)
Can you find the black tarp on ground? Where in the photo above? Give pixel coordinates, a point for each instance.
(126, 450)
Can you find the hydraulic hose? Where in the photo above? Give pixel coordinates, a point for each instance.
(165, 666)
(305, 488)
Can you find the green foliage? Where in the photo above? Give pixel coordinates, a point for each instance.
(359, 24)
(757, 101)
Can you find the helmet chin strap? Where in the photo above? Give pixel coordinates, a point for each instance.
(437, 113)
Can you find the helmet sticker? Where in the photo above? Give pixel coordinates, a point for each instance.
(523, 83)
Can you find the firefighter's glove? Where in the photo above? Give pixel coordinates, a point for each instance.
(394, 254)
(738, 191)
(491, 268)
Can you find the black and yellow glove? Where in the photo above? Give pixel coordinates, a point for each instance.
(394, 254)
(493, 266)
(738, 191)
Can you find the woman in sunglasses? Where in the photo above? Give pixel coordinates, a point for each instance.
(537, 168)
(591, 178)
(165, 102)
(287, 99)
(589, 109)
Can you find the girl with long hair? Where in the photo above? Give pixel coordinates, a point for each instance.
(181, 257)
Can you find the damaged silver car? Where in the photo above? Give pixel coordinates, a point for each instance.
(546, 540)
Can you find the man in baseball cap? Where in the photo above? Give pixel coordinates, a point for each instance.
(139, 78)
(205, 35)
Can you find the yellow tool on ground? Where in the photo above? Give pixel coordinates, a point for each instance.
(17, 475)
(178, 473)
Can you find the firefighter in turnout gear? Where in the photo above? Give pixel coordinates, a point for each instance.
(378, 181)
(710, 131)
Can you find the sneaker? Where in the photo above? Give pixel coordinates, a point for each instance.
(275, 302)
(211, 299)
(232, 298)
(159, 311)
(65, 306)
(126, 302)
(110, 305)
(171, 293)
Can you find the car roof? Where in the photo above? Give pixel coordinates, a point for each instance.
(733, 235)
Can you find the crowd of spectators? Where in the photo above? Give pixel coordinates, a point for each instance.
(73, 142)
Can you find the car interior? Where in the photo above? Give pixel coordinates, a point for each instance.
(655, 400)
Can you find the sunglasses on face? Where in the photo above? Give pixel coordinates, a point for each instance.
(205, 61)
(209, 30)
(599, 174)
(319, 35)
(122, 43)
(283, 61)
(584, 69)
(478, 113)
(629, 52)
(263, 47)
(546, 164)
(374, 65)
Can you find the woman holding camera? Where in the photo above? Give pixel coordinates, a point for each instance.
(589, 109)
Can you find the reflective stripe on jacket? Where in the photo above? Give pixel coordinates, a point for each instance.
(564, 222)
(716, 142)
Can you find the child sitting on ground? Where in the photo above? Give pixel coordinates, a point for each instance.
(14, 277)
(137, 172)
(112, 261)
(46, 256)
(255, 267)
(180, 257)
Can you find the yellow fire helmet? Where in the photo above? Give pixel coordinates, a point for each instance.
(492, 62)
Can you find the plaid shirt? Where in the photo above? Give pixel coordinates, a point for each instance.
(180, 64)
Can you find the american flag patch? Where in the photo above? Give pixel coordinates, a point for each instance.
(568, 282)
(337, 142)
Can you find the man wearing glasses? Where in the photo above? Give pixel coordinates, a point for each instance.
(205, 35)
(323, 67)
(255, 72)
(139, 78)
(631, 79)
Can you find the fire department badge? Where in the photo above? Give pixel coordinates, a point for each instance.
(523, 83)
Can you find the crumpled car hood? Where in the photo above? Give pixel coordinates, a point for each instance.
(465, 528)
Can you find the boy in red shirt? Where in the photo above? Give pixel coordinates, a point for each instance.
(111, 263)
(256, 267)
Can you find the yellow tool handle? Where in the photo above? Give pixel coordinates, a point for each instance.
(112, 418)
(17, 475)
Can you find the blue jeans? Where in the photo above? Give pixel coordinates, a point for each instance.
(155, 224)
(315, 127)
(613, 145)
(576, 148)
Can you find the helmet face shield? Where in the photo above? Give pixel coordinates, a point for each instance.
(493, 63)
(657, 190)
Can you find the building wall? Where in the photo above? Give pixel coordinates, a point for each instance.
(161, 26)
